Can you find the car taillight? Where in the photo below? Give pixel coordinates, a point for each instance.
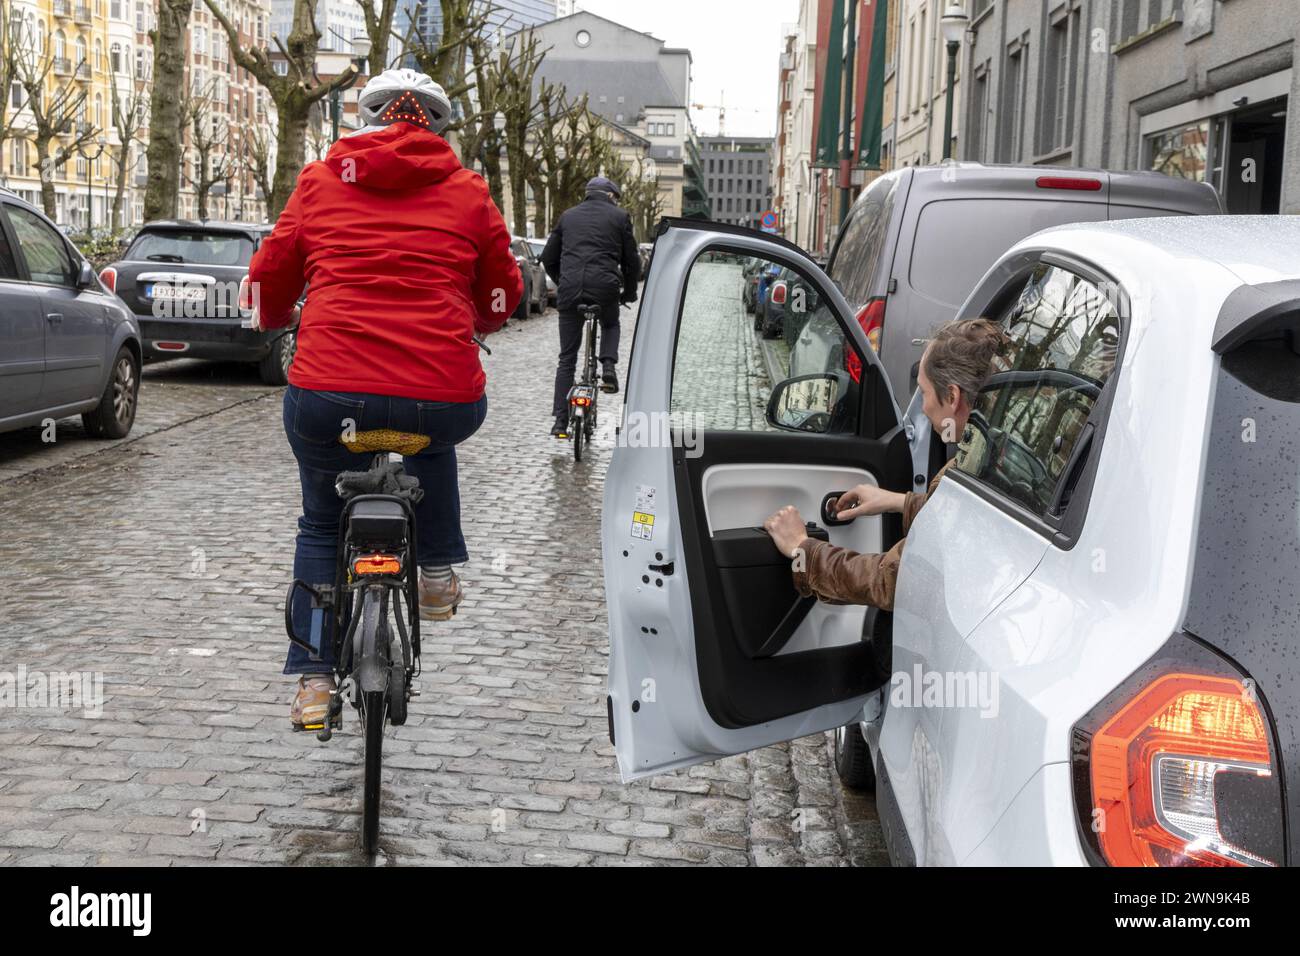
(1178, 770)
(1068, 182)
(245, 294)
(108, 276)
(778, 293)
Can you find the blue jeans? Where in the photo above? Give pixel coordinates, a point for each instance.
(314, 422)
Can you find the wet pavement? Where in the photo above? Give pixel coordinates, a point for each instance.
(158, 565)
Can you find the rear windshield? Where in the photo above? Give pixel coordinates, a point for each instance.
(1247, 570)
(198, 247)
(857, 262)
(958, 240)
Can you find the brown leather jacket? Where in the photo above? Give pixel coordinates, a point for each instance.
(840, 576)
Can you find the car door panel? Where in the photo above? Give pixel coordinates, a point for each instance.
(678, 529)
(943, 595)
(22, 349)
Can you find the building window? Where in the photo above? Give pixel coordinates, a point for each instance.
(1056, 131)
(979, 114)
(1013, 103)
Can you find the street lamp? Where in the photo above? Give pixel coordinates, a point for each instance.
(102, 143)
(360, 54)
(953, 26)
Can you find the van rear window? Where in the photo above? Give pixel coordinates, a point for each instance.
(198, 247)
(958, 240)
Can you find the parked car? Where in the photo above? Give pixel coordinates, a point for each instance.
(67, 346)
(552, 291)
(1090, 658)
(917, 239)
(181, 280)
(774, 295)
(534, 273)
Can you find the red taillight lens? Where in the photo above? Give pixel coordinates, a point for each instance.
(1068, 182)
(245, 294)
(376, 564)
(1158, 771)
(779, 293)
(108, 276)
(872, 320)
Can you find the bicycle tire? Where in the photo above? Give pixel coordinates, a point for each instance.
(579, 438)
(373, 711)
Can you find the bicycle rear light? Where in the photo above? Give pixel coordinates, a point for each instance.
(376, 564)
(1175, 769)
(582, 401)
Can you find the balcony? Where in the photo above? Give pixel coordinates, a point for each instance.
(62, 66)
(83, 14)
(694, 209)
(63, 9)
(83, 72)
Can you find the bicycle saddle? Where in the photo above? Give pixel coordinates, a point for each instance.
(386, 440)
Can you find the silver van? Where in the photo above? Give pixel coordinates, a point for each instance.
(919, 239)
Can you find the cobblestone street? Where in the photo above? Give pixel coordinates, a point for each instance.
(161, 563)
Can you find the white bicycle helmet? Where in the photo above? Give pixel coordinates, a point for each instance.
(405, 96)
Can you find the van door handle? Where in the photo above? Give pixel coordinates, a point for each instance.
(54, 317)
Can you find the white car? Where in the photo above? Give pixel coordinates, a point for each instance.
(1092, 656)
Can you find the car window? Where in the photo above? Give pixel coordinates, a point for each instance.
(1063, 342)
(47, 255)
(196, 247)
(734, 346)
(858, 260)
(957, 240)
(8, 262)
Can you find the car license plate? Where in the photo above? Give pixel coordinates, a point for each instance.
(166, 290)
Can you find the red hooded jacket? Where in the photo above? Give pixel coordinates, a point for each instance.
(406, 257)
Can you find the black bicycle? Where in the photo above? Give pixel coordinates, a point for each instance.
(584, 396)
(374, 598)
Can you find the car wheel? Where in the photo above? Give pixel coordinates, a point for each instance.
(274, 369)
(853, 758)
(115, 414)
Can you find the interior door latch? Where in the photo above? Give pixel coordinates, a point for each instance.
(664, 569)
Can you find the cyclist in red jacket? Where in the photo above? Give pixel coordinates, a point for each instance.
(407, 259)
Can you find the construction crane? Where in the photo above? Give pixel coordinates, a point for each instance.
(722, 111)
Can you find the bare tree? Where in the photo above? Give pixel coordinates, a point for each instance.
(522, 110)
(641, 197)
(165, 120)
(11, 42)
(294, 92)
(210, 140)
(378, 18)
(128, 119)
(58, 110)
(255, 155)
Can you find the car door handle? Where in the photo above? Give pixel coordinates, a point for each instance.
(829, 517)
(54, 317)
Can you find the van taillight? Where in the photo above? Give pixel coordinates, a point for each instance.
(1175, 769)
(872, 320)
(1068, 182)
(245, 294)
(778, 293)
(108, 276)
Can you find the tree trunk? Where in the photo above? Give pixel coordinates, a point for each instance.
(46, 167)
(164, 153)
(492, 173)
(291, 151)
(123, 162)
(541, 227)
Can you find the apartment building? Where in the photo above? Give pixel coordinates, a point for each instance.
(1200, 89)
(920, 84)
(738, 176)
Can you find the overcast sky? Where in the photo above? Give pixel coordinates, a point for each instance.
(736, 45)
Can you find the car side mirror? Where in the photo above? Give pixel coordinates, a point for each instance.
(806, 403)
(86, 276)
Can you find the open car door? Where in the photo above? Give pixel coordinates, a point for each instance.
(712, 650)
